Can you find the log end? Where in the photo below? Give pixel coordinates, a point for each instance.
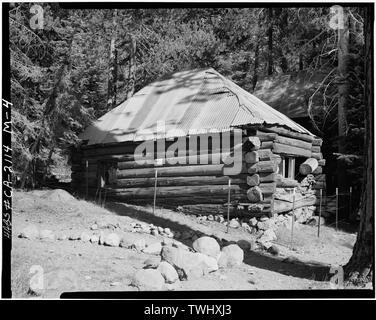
(254, 194)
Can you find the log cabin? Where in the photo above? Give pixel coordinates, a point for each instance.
(197, 142)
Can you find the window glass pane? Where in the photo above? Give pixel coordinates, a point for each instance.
(291, 168)
(286, 173)
(281, 167)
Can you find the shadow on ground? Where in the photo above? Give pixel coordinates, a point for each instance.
(287, 266)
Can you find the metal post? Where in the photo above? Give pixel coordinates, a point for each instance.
(292, 217)
(350, 195)
(319, 223)
(87, 179)
(228, 203)
(155, 189)
(336, 209)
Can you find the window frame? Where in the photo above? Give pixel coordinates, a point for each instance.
(287, 164)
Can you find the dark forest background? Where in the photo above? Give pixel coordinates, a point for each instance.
(83, 63)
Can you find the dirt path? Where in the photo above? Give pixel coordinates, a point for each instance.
(94, 267)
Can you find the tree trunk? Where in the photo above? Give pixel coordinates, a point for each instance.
(49, 107)
(132, 68)
(343, 89)
(360, 267)
(257, 50)
(270, 41)
(112, 77)
(301, 64)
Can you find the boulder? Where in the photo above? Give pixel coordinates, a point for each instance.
(74, 236)
(314, 221)
(202, 218)
(189, 265)
(266, 224)
(208, 246)
(139, 244)
(266, 244)
(253, 222)
(178, 244)
(210, 262)
(281, 218)
(30, 232)
(246, 245)
(145, 228)
(273, 249)
(168, 232)
(94, 227)
(85, 237)
(234, 223)
(269, 234)
(167, 241)
(154, 248)
(36, 287)
(94, 239)
(266, 239)
(46, 235)
(154, 232)
(112, 240)
(102, 237)
(298, 213)
(219, 218)
(168, 272)
(231, 255)
(148, 280)
(152, 262)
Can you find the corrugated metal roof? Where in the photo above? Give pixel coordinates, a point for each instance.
(188, 102)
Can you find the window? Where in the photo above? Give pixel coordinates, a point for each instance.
(287, 167)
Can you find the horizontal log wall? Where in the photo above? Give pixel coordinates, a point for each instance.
(263, 177)
(201, 184)
(191, 180)
(180, 181)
